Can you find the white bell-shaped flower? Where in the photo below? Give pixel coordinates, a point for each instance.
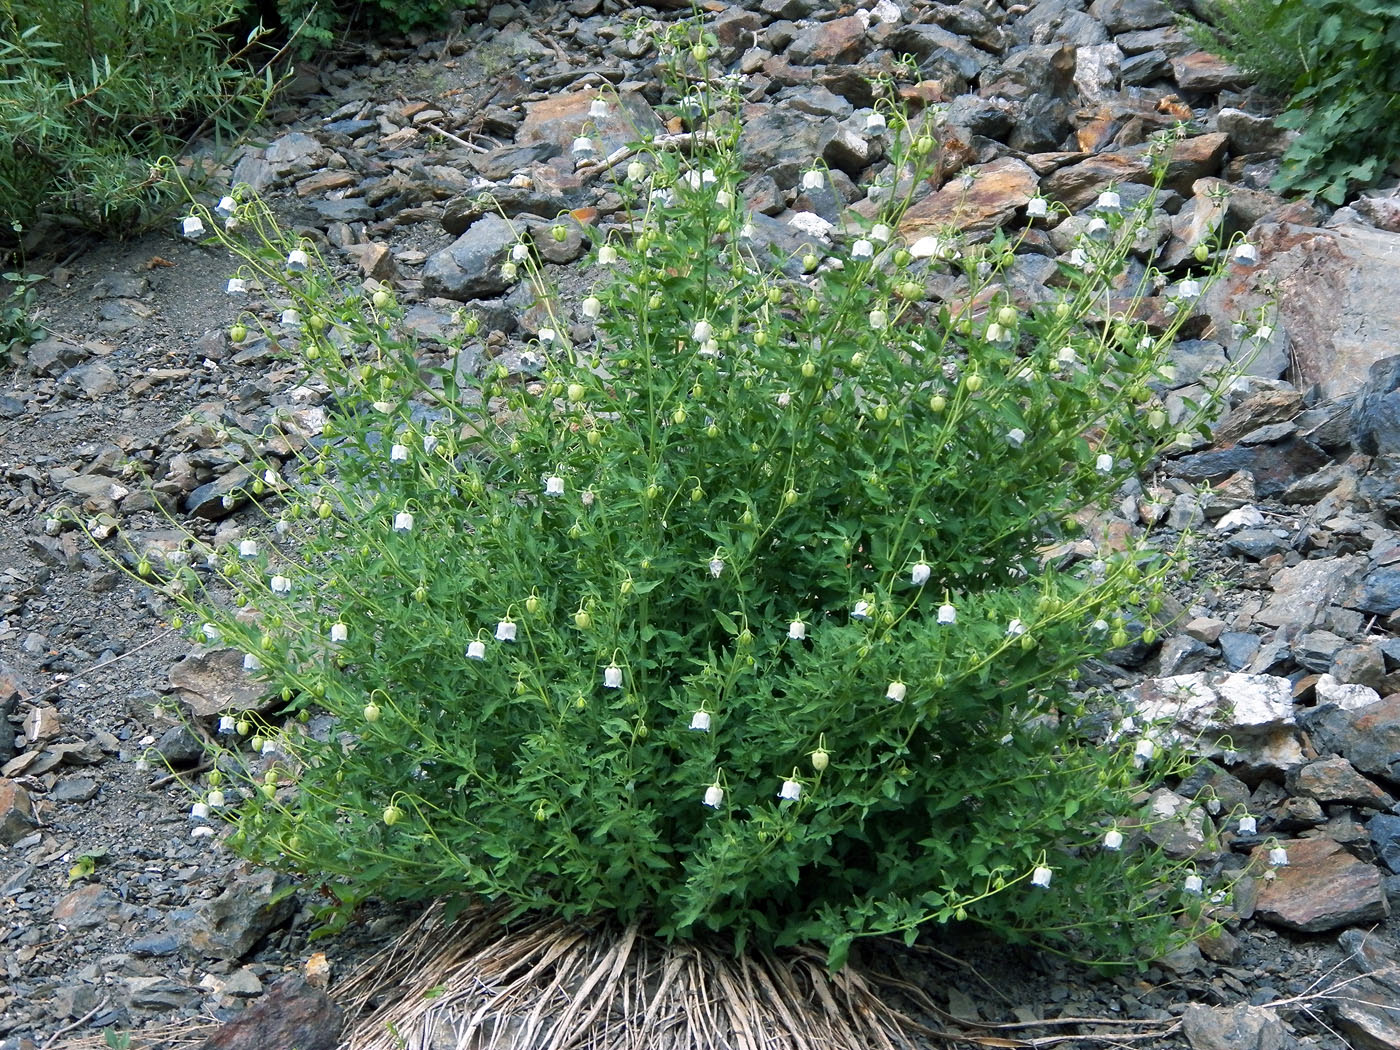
(861, 611)
(598, 109)
(636, 171)
(1037, 207)
(251, 662)
(1188, 289)
(216, 799)
(227, 723)
(791, 791)
(714, 796)
(236, 286)
(920, 573)
(1066, 356)
(298, 260)
(876, 124)
(290, 318)
(702, 331)
(225, 208)
(700, 721)
(339, 632)
(1015, 629)
(1193, 884)
(862, 249)
(591, 307)
(880, 232)
(812, 179)
(1109, 201)
(947, 614)
(612, 677)
(1143, 752)
(797, 630)
(476, 650)
(280, 585)
(398, 454)
(895, 691)
(1249, 826)
(1097, 230)
(403, 521)
(199, 811)
(1078, 257)
(554, 485)
(878, 318)
(1104, 463)
(716, 567)
(191, 226)
(1016, 437)
(210, 632)
(1246, 254)
(1278, 857)
(1113, 839)
(1041, 877)
(248, 548)
(583, 145)
(505, 631)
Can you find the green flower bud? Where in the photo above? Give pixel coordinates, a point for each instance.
(559, 232)
(371, 712)
(392, 815)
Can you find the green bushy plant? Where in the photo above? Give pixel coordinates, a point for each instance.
(733, 618)
(18, 328)
(94, 91)
(1338, 62)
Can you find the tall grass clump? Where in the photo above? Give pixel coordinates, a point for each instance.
(92, 92)
(731, 613)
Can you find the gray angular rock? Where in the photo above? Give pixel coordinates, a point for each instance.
(1336, 780)
(1369, 737)
(1366, 1010)
(1303, 592)
(939, 50)
(1384, 829)
(1375, 410)
(229, 925)
(220, 497)
(470, 268)
(1232, 1028)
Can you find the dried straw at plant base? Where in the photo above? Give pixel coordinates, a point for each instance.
(545, 984)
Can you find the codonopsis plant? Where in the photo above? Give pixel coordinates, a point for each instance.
(732, 615)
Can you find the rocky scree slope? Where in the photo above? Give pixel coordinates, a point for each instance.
(141, 416)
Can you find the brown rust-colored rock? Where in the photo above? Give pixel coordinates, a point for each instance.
(1323, 887)
(976, 206)
(16, 813)
(291, 1014)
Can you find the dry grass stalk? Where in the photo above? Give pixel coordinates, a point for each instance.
(545, 984)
